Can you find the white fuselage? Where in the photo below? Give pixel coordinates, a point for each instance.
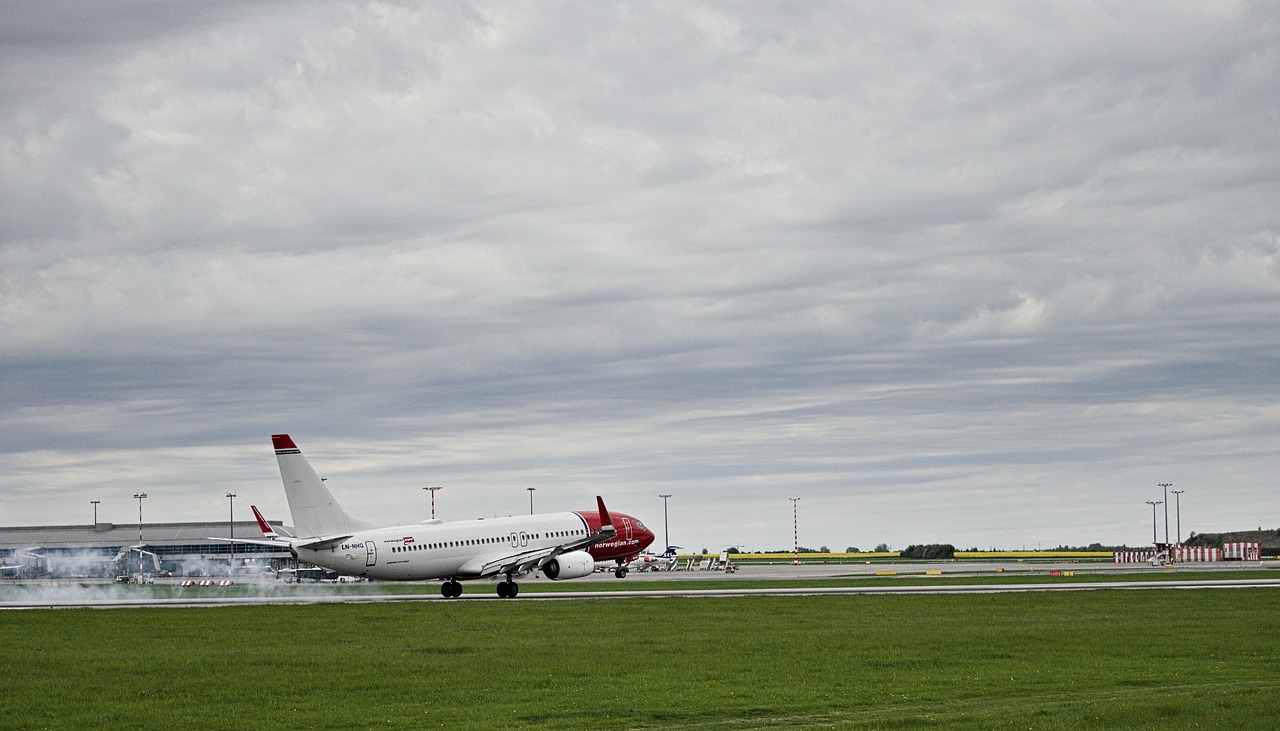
(441, 550)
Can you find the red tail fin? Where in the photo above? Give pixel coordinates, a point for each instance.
(263, 525)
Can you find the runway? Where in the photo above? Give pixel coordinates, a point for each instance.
(54, 596)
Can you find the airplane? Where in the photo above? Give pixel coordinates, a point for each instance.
(619, 566)
(32, 563)
(645, 561)
(140, 549)
(560, 545)
(29, 563)
(664, 561)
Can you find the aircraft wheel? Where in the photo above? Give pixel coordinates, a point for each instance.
(513, 591)
(503, 589)
(451, 589)
(621, 573)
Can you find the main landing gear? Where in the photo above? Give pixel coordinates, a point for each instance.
(452, 589)
(620, 572)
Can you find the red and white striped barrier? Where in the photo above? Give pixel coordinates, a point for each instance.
(1242, 551)
(205, 582)
(1196, 554)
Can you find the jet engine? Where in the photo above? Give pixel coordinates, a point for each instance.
(572, 565)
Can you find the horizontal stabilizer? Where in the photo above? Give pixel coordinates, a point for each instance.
(324, 542)
(279, 542)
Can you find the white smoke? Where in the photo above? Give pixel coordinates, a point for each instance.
(143, 590)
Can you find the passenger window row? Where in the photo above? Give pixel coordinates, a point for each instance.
(480, 541)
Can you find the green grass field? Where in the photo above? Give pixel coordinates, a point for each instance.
(1153, 659)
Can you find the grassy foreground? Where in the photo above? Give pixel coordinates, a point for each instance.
(1163, 659)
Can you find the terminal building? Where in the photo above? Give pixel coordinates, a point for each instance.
(109, 550)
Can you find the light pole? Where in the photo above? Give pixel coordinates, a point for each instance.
(531, 489)
(231, 524)
(1166, 486)
(1153, 504)
(432, 490)
(666, 530)
(139, 496)
(94, 503)
(795, 526)
(1178, 512)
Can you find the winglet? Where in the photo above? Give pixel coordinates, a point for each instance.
(282, 441)
(606, 522)
(263, 525)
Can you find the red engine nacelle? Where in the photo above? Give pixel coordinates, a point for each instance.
(573, 565)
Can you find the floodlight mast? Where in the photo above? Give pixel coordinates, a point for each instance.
(432, 490)
(795, 526)
(666, 528)
(1153, 504)
(1166, 486)
(1177, 497)
(139, 496)
(231, 524)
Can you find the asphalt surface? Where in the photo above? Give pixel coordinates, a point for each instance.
(69, 594)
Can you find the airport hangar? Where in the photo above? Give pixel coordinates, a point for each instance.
(109, 549)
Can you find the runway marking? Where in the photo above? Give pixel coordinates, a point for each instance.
(212, 601)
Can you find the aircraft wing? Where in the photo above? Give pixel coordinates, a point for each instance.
(523, 561)
(511, 563)
(316, 544)
(251, 541)
(515, 563)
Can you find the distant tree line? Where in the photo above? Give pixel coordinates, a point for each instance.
(1096, 547)
(930, 551)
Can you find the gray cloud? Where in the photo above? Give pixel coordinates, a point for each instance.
(981, 274)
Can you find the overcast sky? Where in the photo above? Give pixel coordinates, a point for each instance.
(973, 273)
